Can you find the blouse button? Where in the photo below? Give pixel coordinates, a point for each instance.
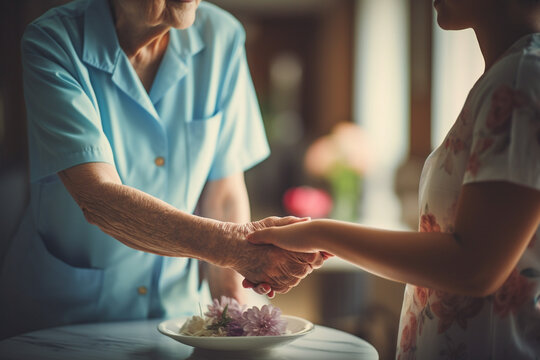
(142, 290)
(159, 161)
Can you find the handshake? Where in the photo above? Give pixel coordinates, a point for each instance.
(266, 267)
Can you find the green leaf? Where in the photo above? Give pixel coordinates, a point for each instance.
(224, 313)
(223, 322)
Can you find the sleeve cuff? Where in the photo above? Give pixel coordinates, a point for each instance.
(53, 166)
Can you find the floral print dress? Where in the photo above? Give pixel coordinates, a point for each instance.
(495, 138)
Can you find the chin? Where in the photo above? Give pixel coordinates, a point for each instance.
(456, 15)
(447, 23)
(182, 15)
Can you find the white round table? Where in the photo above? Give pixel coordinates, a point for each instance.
(141, 340)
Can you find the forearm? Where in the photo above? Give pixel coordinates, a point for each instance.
(435, 260)
(225, 282)
(143, 222)
(220, 203)
(488, 238)
(146, 223)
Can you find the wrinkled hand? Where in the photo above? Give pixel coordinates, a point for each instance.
(275, 269)
(296, 237)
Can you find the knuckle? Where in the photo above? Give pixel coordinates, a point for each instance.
(274, 219)
(258, 225)
(286, 290)
(318, 262)
(311, 257)
(282, 289)
(300, 270)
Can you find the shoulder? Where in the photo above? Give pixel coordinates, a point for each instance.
(527, 77)
(217, 25)
(517, 73)
(61, 25)
(520, 68)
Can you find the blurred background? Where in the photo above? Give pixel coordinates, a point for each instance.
(354, 94)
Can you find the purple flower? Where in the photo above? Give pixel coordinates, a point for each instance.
(234, 328)
(234, 309)
(266, 321)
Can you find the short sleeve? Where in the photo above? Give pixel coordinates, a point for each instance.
(242, 141)
(506, 136)
(64, 127)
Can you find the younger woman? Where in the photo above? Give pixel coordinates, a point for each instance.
(473, 269)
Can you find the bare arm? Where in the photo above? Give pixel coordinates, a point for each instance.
(495, 222)
(146, 223)
(226, 200)
(137, 219)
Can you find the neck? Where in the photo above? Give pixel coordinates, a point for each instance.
(497, 34)
(135, 36)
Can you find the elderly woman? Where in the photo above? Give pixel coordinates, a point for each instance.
(473, 269)
(135, 108)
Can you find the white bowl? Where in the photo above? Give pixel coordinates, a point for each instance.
(297, 327)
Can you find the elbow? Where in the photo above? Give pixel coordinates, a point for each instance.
(481, 282)
(88, 204)
(89, 215)
(89, 208)
(481, 288)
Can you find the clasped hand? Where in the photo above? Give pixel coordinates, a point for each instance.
(268, 269)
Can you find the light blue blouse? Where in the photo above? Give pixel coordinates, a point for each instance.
(200, 121)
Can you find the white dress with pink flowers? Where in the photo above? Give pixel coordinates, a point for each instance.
(495, 138)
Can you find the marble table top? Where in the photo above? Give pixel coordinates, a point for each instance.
(141, 340)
